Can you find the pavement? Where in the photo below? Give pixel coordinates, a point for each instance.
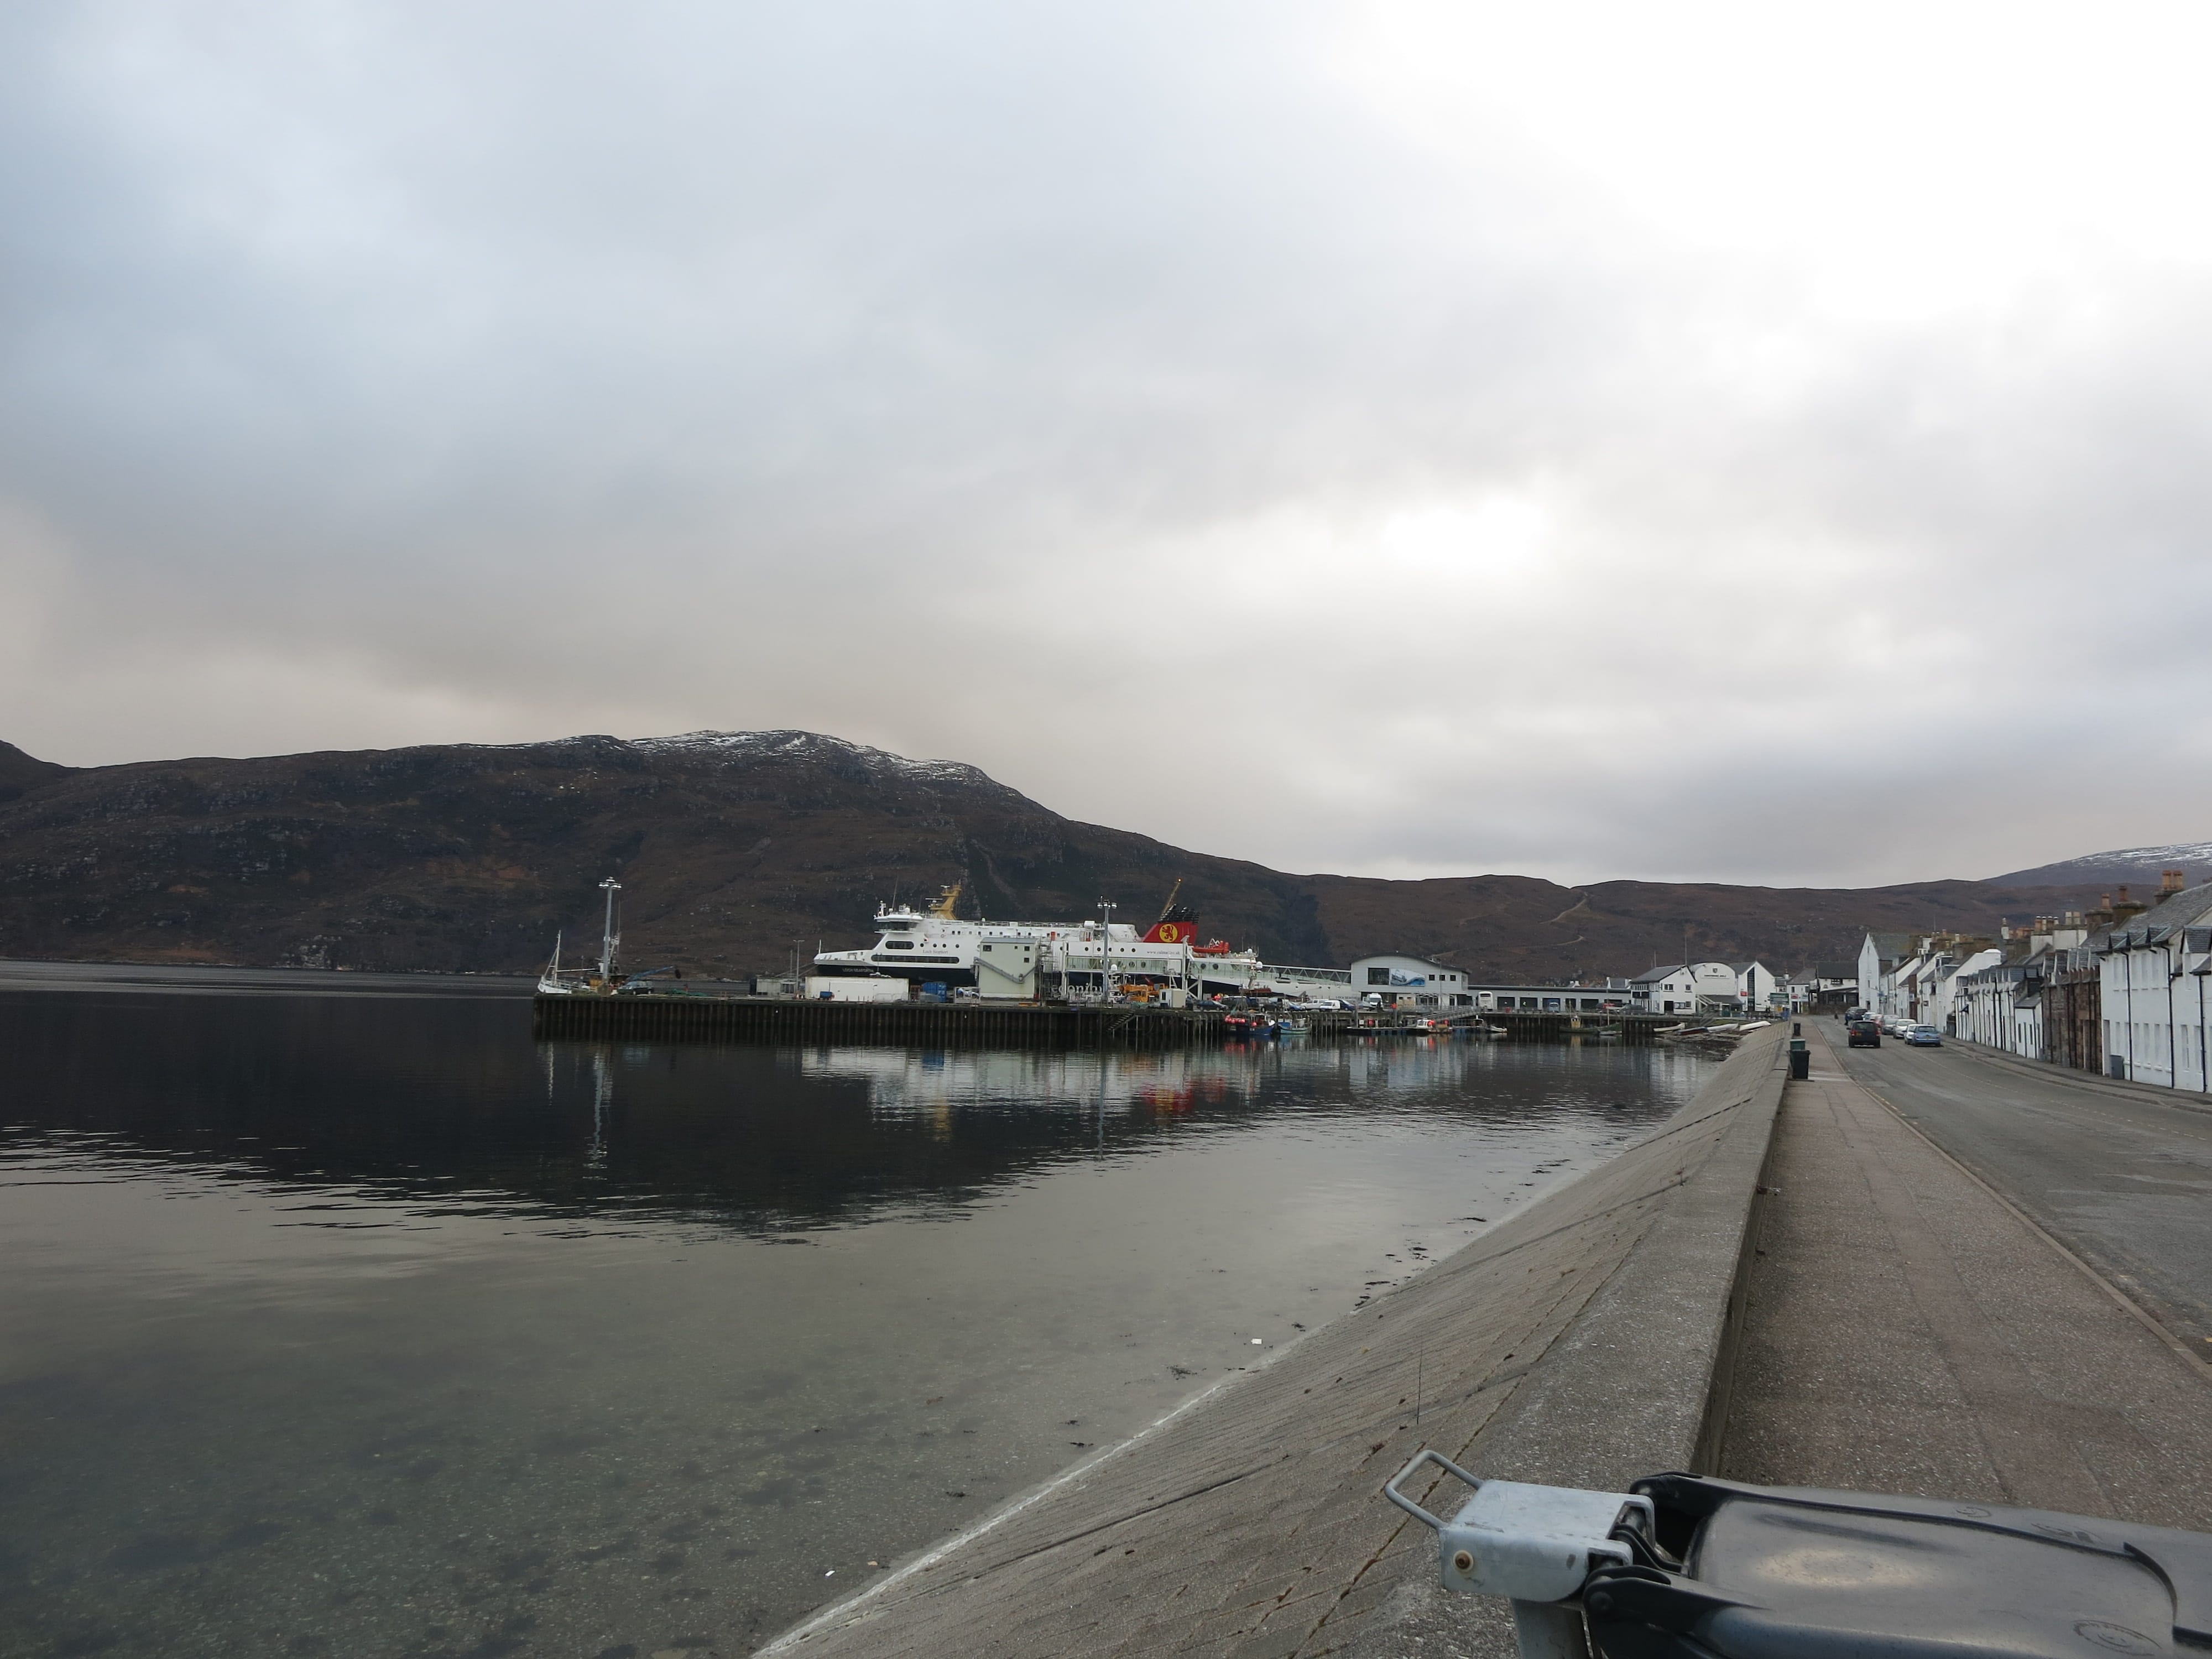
(1907, 1329)
(2121, 1172)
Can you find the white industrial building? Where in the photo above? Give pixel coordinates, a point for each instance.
(1412, 982)
(1691, 987)
(1556, 999)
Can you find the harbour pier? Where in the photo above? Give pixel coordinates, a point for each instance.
(663, 1016)
(923, 1025)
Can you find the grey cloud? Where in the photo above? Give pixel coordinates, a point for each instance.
(397, 373)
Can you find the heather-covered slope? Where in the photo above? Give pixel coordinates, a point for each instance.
(733, 846)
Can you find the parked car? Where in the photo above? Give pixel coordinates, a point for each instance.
(1925, 1037)
(1863, 1034)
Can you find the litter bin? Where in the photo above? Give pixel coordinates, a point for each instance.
(1800, 1059)
(1683, 1567)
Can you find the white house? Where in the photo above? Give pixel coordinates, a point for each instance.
(1690, 987)
(2005, 1000)
(1940, 988)
(1915, 979)
(1999, 1004)
(1412, 982)
(1830, 984)
(1880, 957)
(1755, 985)
(2152, 977)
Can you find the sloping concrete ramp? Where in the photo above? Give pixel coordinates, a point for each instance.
(1578, 1343)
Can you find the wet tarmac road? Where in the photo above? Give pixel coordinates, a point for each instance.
(2122, 1178)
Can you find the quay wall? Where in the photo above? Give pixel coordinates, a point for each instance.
(979, 1024)
(922, 1024)
(1587, 1341)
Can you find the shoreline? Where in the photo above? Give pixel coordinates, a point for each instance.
(1586, 1340)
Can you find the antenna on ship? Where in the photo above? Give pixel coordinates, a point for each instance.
(1169, 905)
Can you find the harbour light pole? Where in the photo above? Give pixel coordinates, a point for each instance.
(1106, 908)
(607, 941)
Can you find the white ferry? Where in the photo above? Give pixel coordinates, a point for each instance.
(1017, 959)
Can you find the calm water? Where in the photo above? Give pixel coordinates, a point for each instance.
(337, 1326)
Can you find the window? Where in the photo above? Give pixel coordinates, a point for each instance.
(904, 944)
(1378, 975)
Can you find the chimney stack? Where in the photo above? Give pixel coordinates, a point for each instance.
(2171, 882)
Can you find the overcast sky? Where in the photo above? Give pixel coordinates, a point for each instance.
(1753, 442)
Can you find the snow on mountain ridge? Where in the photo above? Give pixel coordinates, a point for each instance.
(2127, 864)
(786, 741)
(790, 742)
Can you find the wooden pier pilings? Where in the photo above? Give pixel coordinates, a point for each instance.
(1531, 1027)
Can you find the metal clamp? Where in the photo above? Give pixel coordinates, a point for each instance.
(1534, 1545)
(1426, 1455)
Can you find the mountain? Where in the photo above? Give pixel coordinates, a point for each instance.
(2137, 866)
(736, 846)
(19, 772)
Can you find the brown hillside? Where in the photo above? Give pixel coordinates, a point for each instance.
(733, 846)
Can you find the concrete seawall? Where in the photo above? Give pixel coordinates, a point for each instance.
(1586, 1341)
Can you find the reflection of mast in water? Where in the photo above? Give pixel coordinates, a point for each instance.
(602, 1103)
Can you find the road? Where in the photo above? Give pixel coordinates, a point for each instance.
(2121, 1178)
(1906, 1330)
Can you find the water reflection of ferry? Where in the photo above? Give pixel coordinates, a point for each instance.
(1022, 960)
(903, 1081)
(930, 1083)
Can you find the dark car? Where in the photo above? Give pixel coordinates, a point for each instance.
(1863, 1034)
